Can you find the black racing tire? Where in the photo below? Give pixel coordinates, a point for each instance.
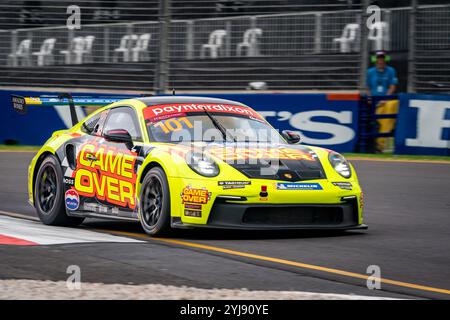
(155, 203)
(49, 195)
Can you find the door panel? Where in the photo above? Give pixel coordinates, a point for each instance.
(103, 181)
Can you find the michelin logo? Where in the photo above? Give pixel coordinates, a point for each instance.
(299, 186)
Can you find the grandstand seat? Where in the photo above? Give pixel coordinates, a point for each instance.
(140, 51)
(74, 53)
(349, 40)
(215, 43)
(379, 36)
(45, 54)
(22, 55)
(126, 43)
(87, 49)
(250, 43)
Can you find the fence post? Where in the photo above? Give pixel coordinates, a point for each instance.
(14, 47)
(318, 33)
(106, 44)
(388, 19)
(162, 68)
(126, 58)
(412, 47)
(70, 36)
(253, 23)
(190, 40)
(364, 46)
(228, 39)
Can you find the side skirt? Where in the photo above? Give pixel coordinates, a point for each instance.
(102, 216)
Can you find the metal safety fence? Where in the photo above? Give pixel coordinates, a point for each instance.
(431, 50)
(310, 50)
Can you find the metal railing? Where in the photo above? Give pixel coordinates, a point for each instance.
(281, 35)
(432, 50)
(301, 51)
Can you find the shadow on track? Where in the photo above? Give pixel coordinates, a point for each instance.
(222, 234)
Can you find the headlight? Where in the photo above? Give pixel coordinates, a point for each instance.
(339, 164)
(203, 165)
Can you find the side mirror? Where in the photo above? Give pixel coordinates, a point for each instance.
(292, 137)
(119, 135)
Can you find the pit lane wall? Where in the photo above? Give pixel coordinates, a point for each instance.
(326, 120)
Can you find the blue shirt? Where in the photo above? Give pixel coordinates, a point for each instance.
(379, 82)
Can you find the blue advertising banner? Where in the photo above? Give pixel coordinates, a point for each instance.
(40, 122)
(423, 125)
(329, 121)
(324, 120)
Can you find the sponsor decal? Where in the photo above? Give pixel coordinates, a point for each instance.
(299, 186)
(72, 199)
(106, 173)
(19, 104)
(166, 111)
(194, 195)
(193, 213)
(233, 184)
(343, 185)
(94, 207)
(193, 206)
(69, 181)
(234, 154)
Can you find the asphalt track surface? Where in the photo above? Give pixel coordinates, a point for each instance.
(407, 208)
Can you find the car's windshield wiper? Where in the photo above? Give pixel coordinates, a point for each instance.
(219, 126)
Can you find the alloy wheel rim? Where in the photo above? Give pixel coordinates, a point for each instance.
(47, 189)
(152, 202)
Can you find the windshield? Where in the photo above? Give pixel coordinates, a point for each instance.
(207, 123)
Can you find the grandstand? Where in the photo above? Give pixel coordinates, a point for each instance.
(218, 45)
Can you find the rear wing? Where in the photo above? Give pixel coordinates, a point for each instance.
(20, 104)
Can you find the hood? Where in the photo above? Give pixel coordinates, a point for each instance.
(263, 161)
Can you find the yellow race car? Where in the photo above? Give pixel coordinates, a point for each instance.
(183, 162)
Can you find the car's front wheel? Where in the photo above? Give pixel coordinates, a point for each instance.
(49, 195)
(155, 203)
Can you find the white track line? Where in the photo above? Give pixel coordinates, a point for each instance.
(18, 215)
(45, 235)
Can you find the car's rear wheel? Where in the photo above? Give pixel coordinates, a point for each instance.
(49, 195)
(155, 203)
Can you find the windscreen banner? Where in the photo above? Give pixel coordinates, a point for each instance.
(423, 125)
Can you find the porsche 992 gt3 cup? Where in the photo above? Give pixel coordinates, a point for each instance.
(185, 162)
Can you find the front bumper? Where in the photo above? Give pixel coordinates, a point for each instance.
(232, 215)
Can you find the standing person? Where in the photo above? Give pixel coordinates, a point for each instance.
(381, 81)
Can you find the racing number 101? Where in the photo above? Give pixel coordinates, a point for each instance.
(172, 125)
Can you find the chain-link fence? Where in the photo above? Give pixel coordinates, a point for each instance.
(303, 50)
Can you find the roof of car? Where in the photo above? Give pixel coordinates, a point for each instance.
(151, 101)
